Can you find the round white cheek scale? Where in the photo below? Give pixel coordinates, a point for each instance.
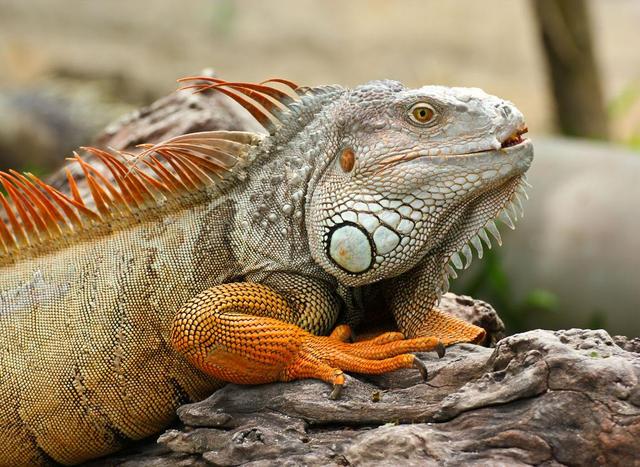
(349, 247)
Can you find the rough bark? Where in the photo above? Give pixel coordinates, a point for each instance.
(565, 33)
(541, 397)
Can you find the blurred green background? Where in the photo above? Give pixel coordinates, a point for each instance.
(69, 68)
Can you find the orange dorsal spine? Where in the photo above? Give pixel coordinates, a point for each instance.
(271, 102)
(35, 212)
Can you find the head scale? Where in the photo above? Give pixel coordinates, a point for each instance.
(410, 173)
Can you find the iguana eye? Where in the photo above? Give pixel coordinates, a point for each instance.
(421, 113)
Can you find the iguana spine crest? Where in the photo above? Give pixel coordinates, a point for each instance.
(269, 98)
(36, 211)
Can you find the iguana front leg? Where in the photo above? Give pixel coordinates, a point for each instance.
(247, 333)
(411, 298)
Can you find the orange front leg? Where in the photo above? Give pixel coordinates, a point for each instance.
(412, 299)
(231, 333)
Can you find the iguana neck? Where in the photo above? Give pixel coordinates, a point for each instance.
(272, 202)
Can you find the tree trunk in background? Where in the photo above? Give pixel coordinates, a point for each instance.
(565, 31)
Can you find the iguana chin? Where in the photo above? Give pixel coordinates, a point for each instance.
(230, 256)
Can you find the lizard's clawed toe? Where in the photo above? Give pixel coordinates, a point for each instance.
(422, 368)
(336, 391)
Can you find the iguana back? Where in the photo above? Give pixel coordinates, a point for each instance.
(83, 332)
(87, 296)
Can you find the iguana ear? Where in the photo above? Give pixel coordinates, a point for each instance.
(36, 212)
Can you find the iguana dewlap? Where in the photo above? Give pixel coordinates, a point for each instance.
(230, 256)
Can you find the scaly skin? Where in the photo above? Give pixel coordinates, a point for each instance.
(104, 333)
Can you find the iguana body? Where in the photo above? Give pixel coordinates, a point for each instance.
(214, 267)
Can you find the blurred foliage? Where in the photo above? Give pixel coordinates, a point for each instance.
(622, 103)
(222, 14)
(624, 110)
(491, 283)
(598, 320)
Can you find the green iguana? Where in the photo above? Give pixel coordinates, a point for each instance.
(230, 256)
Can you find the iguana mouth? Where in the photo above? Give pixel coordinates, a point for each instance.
(515, 138)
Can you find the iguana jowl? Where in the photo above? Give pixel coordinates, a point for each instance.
(229, 256)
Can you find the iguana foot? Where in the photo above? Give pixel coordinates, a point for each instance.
(449, 329)
(229, 333)
(325, 358)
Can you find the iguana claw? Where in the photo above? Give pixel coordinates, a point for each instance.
(336, 391)
(422, 368)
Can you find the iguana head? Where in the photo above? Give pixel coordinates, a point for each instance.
(411, 173)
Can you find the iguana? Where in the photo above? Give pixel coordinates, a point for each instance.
(231, 256)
